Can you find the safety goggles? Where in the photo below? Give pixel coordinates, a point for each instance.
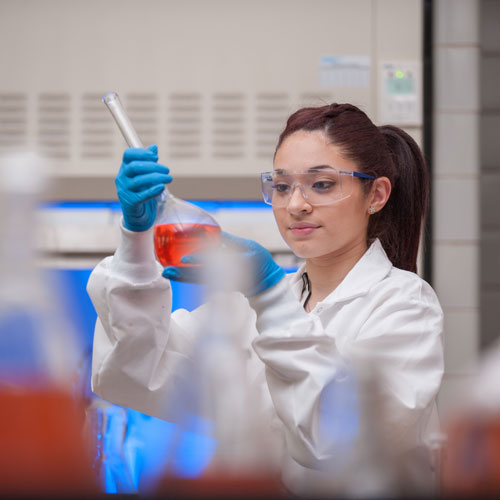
(318, 186)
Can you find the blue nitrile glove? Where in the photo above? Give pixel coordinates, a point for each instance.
(140, 180)
(263, 271)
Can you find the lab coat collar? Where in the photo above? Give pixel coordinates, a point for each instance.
(372, 268)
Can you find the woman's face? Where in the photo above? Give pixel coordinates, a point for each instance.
(325, 231)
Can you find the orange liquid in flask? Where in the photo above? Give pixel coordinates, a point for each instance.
(173, 241)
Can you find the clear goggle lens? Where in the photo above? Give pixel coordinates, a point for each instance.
(321, 187)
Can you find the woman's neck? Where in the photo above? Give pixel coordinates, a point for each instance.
(327, 272)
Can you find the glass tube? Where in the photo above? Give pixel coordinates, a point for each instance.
(112, 101)
(114, 105)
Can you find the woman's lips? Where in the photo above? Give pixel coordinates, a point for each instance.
(303, 229)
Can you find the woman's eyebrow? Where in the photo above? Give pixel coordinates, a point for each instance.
(316, 168)
(320, 167)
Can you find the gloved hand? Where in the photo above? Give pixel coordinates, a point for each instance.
(261, 271)
(140, 180)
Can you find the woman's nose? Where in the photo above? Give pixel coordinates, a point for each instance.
(297, 202)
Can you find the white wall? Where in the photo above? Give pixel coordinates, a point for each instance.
(456, 182)
(210, 81)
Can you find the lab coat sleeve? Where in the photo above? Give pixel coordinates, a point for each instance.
(402, 339)
(397, 332)
(140, 352)
(290, 342)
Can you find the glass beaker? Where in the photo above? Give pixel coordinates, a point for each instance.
(42, 447)
(180, 228)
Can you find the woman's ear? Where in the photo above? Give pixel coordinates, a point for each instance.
(379, 194)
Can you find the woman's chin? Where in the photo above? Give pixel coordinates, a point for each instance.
(303, 251)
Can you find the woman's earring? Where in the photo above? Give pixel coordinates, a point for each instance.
(371, 210)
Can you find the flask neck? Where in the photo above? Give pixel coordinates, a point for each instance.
(173, 210)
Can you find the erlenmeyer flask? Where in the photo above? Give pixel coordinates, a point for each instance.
(180, 227)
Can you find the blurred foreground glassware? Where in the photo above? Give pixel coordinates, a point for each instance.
(471, 463)
(350, 431)
(106, 431)
(471, 458)
(42, 450)
(361, 457)
(220, 398)
(180, 227)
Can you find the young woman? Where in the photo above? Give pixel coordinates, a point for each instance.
(348, 197)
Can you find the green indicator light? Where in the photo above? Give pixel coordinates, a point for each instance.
(399, 74)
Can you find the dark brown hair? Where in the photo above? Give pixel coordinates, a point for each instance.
(385, 151)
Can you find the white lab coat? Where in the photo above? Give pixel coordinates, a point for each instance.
(381, 314)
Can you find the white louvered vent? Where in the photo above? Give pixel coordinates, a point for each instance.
(13, 120)
(271, 113)
(143, 110)
(228, 131)
(180, 123)
(184, 125)
(96, 128)
(54, 110)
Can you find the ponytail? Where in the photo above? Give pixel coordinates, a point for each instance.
(398, 225)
